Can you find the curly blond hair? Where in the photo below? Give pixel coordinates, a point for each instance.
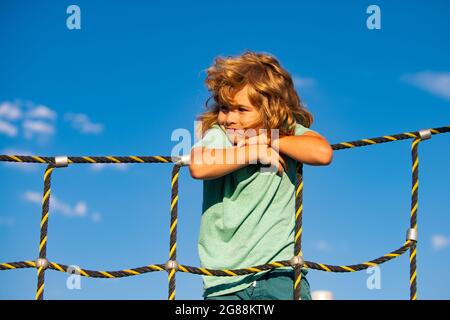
(270, 90)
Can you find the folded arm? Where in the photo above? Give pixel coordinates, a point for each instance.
(207, 163)
(310, 148)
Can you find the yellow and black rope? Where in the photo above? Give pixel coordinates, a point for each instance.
(42, 261)
(172, 266)
(413, 217)
(214, 272)
(298, 231)
(167, 159)
(90, 159)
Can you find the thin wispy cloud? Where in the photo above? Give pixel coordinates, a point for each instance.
(33, 127)
(10, 111)
(435, 83)
(79, 210)
(439, 242)
(8, 129)
(83, 124)
(41, 112)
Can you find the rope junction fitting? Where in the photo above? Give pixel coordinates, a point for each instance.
(411, 234)
(61, 161)
(425, 134)
(172, 266)
(297, 261)
(41, 263)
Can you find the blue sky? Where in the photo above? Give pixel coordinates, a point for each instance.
(134, 73)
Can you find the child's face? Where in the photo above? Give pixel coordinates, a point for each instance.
(243, 116)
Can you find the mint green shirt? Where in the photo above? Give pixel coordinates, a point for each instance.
(248, 219)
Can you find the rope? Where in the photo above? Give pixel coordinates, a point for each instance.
(413, 224)
(298, 230)
(172, 266)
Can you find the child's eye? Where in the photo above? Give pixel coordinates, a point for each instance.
(242, 109)
(223, 108)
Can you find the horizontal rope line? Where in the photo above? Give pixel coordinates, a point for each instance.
(168, 159)
(213, 272)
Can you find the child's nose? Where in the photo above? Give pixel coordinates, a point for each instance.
(233, 117)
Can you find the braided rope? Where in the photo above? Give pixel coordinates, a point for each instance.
(167, 159)
(413, 215)
(43, 233)
(298, 230)
(173, 232)
(214, 272)
(172, 266)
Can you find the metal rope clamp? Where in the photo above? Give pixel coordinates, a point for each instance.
(412, 234)
(425, 134)
(297, 261)
(61, 161)
(41, 262)
(184, 160)
(171, 264)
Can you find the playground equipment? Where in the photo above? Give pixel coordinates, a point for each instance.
(172, 265)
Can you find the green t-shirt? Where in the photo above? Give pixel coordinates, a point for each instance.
(248, 218)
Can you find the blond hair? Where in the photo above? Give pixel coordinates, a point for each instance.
(270, 90)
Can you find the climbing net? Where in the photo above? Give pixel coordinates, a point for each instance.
(172, 265)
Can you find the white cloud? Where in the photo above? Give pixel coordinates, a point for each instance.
(39, 120)
(32, 127)
(436, 83)
(303, 82)
(33, 120)
(32, 196)
(10, 111)
(82, 123)
(8, 129)
(41, 112)
(80, 209)
(439, 242)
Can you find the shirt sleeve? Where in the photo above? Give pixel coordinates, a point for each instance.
(300, 129)
(214, 138)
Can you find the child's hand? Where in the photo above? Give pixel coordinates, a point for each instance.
(268, 156)
(259, 139)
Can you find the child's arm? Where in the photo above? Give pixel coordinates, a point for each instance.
(310, 148)
(209, 163)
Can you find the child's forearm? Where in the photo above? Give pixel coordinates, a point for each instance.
(306, 149)
(209, 163)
